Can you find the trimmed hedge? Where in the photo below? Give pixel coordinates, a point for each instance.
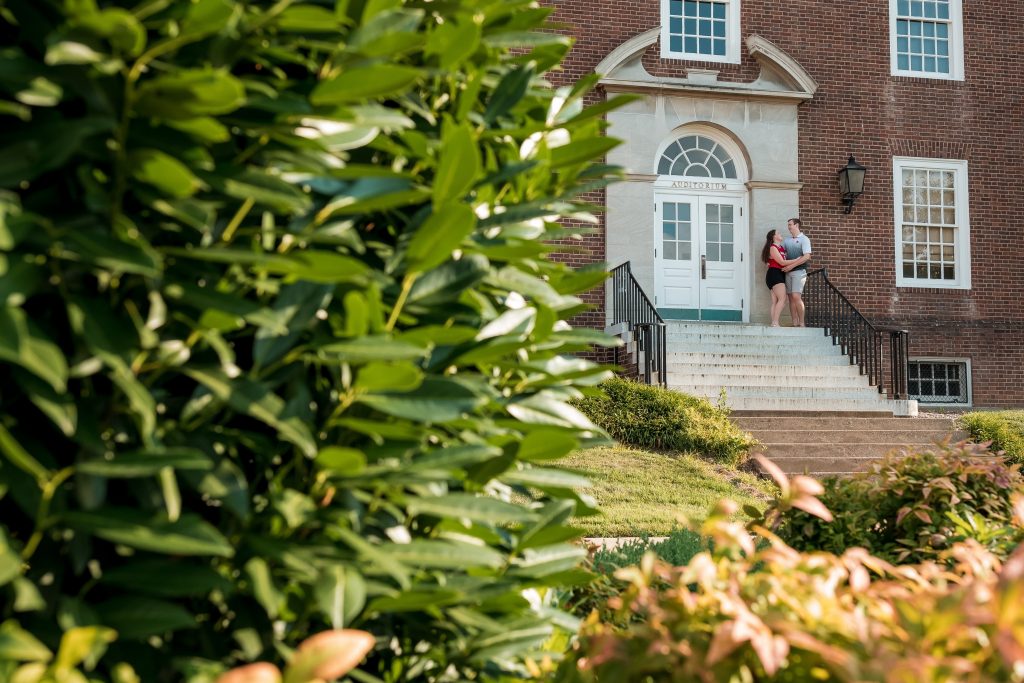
(653, 417)
(1005, 429)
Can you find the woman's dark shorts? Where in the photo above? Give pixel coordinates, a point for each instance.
(774, 276)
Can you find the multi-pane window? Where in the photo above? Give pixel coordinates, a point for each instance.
(677, 231)
(706, 30)
(938, 381)
(931, 223)
(927, 38)
(719, 227)
(696, 156)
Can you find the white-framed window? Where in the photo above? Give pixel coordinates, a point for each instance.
(704, 30)
(926, 38)
(940, 381)
(932, 223)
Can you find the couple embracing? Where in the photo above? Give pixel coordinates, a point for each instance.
(787, 270)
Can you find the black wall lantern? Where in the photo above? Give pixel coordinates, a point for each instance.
(851, 182)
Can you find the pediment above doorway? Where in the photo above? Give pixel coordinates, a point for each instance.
(781, 77)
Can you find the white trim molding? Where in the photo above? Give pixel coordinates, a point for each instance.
(935, 203)
(953, 25)
(781, 78)
(731, 39)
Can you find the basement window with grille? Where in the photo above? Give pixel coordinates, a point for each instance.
(940, 381)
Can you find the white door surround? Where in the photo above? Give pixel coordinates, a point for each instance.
(756, 122)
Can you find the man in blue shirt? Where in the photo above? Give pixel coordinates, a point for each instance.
(797, 246)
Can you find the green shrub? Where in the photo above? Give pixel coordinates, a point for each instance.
(652, 417)
(677, 549)
(279, 340)
(749, 611)
(1005, 429)
(908, 508)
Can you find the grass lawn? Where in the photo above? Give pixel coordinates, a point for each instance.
(642, 492)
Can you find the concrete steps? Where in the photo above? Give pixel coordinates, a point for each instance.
(836, 444)
(762, 368)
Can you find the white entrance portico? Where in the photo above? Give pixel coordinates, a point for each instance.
(700, 235)
(711, 166)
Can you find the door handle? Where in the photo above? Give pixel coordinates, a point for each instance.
(703, 267)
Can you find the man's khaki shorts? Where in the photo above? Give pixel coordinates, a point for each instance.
(795, 280)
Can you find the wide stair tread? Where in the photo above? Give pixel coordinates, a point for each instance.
(834, 444)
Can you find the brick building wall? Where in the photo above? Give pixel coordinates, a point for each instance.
(861, 109)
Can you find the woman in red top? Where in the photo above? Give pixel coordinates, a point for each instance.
(774, 256)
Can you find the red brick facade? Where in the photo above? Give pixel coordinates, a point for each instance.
(861, 109)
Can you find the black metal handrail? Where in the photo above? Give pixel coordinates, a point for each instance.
(829, 309)
(631, 306)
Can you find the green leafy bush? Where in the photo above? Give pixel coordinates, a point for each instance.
(279, 340)
(913, 507)
(653, 417)
(677, 549)
(1005, 429)
(744, 611)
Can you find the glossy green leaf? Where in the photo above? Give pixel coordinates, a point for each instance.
(163, 172)
(546, 445)
(442, 233)
(22, 344)
(341, 461)
(262, 188)
(10, 561)
(582, 151)
(468, 506)
(436, 400)
(414, 601)
(118, 27)
(340, 594)
(164, 578)
(444, 555)
(17, 644)
(146, 463)
(190, 535)
(83, 644)
(202, 128)
(294, 312)
(186, 94)
(260, 402)
(378, 376)
(138, 618)
(546, 477)
(459, 164)
(454, 42)
(373, 348)
(448, 281)
(262, 586)
(363, 83)
(509, 92)
(307, 19)
(19, 457)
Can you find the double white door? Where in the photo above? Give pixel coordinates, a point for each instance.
(699, 259)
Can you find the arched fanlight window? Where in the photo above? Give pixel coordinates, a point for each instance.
(697, 156)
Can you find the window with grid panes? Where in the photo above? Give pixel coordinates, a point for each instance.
(926, 38)
(931, 223)
(706, 30)
(938, 381)
(677, 224)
